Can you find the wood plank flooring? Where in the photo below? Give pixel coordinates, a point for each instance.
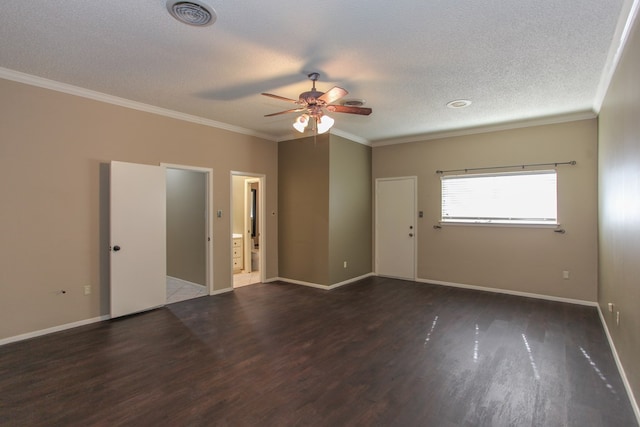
(379, 352)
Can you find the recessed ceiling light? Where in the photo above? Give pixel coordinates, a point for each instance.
(459, 103)
(194, 12)
(353, 102)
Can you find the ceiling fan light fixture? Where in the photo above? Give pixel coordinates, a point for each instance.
(193, 12)
(314, 103)
(324, 123)
(301, 123)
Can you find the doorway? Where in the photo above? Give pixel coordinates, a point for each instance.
(247, 225)
(189, 270)
(396, 227)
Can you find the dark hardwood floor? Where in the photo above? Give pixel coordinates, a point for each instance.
(379, 352)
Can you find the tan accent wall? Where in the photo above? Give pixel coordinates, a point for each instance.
(619, 208)
(325, 209)
(517, 259)
(186, 225)
(303, 201)
(350, 201)
(54, 155)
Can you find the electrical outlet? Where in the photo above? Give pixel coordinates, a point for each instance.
(565, 275)
(345, 264)
(617, 318)
(610, 305)
(87, 289)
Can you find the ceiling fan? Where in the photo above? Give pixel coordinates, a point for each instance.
(313, 103)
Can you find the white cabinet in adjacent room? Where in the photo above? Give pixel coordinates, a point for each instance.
(238, 254)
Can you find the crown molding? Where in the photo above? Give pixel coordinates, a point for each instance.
(351, 137)
(620, 38)
(297, 135)
(32, 80)
(550, 120)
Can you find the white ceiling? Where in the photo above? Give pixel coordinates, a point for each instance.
(517, 61)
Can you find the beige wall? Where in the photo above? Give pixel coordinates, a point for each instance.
(325, 209)
(517, 259)
(619, 208)
(53, 179)
(186, 225)
(350, 200)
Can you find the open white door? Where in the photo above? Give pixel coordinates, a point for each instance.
(138, 238)
(396, 227)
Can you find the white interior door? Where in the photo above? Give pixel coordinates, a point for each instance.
(138, 238)
(396, 227)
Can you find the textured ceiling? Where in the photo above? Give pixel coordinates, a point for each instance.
(517, 61)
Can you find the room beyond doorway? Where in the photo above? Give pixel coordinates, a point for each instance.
(189, 269)
(247, 235)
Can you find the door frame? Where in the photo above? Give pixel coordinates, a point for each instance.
(208, 215)
(262, 190)
(414, 179)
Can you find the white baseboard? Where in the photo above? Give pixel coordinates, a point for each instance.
(510, 292)
(325, 287)
(300, 282)
(354, 279)
(53, 329)
(623, 375)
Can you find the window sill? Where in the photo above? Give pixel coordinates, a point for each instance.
(497, 224)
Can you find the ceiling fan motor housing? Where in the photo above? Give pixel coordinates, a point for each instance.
(310, 97)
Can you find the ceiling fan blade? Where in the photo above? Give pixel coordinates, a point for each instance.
(332, 95)
(295, 110)
(350, 110)
(282, 98)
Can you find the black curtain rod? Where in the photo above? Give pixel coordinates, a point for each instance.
(572, 163)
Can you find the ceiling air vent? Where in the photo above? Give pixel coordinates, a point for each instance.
(196, 13)
(353, 102)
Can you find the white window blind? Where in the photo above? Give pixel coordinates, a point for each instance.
(504, 198)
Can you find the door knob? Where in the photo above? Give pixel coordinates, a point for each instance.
(116, 248)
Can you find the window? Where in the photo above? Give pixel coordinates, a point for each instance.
(500, 198)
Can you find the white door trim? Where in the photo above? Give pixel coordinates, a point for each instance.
(209, 216)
